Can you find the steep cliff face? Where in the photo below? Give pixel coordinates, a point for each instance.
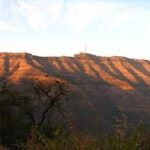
(102, 83)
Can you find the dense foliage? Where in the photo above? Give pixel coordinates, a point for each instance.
(36, 120)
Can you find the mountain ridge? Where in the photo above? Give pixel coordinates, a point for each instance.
(103, 83)
(79, 62)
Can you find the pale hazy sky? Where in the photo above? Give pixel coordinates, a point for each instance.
(63, 27)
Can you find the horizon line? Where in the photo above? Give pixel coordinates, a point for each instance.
(74, 55)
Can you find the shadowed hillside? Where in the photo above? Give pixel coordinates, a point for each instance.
(102, 84)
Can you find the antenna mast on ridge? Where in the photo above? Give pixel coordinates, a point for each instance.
(118, 52)
(85, 48)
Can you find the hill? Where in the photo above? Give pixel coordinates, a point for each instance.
(103, 85)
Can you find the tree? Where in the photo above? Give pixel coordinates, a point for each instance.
(39, 101)
(24, 109)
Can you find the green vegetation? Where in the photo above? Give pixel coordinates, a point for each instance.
(35, 120)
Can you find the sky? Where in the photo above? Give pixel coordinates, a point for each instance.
(68, 27)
